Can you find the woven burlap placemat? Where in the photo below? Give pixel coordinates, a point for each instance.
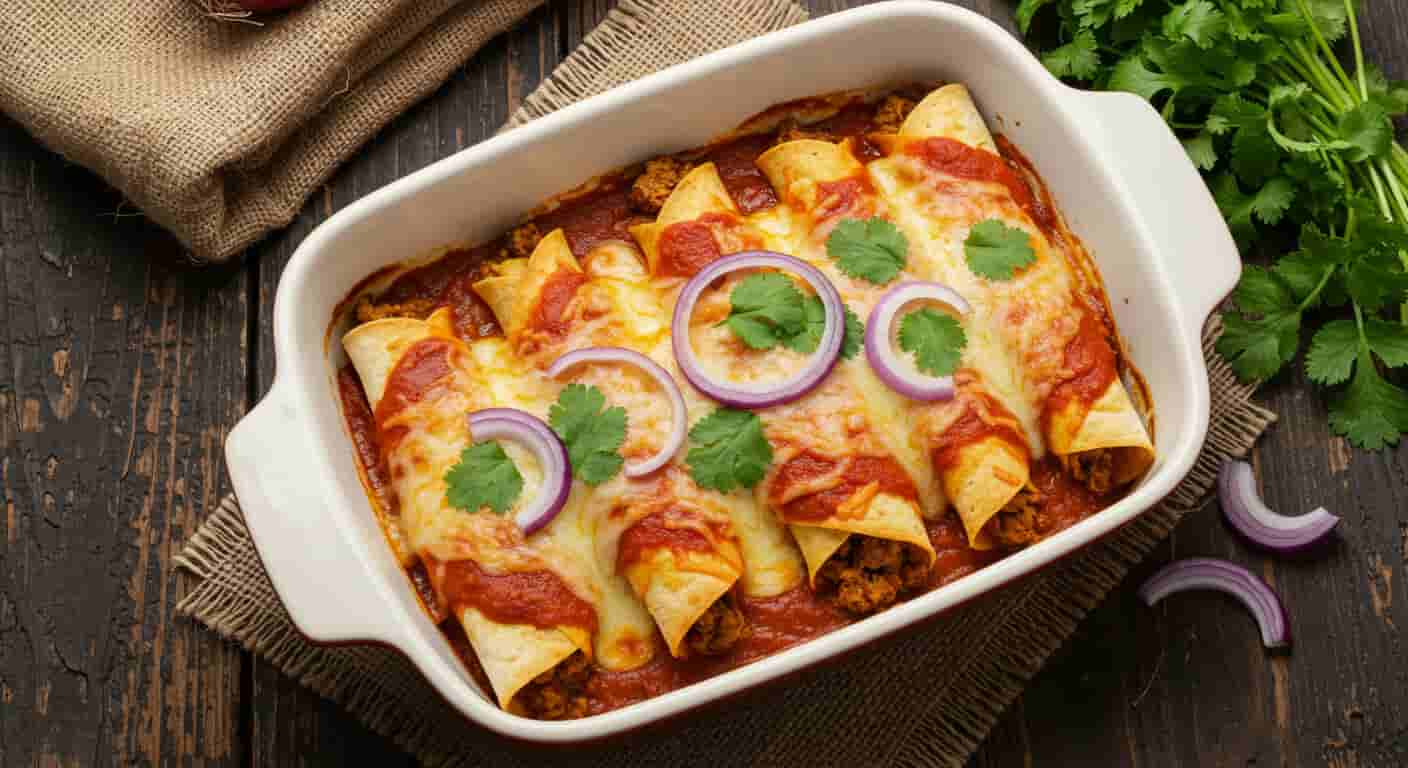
(218, 130)
(926, 698)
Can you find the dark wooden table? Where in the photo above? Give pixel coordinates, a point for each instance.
(120, 373)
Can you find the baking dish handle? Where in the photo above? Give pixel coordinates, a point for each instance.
(319, 578)
(1172, 201)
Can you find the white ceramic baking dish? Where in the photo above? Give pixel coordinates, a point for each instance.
(1116, 171)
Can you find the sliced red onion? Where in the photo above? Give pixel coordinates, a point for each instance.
(754, 396)
(1210, 573)
(530, 432)
(652, 369)
(1259, 524)
(880, 349)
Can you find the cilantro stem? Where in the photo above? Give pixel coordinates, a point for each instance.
(1325, 48)
(1358, 50)
(1320, 286)
(1396, 188)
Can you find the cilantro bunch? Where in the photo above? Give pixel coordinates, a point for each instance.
(1283, 132)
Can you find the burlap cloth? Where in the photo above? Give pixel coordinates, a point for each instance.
(218, 131)
(925, 698)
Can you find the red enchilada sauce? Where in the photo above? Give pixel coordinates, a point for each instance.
(550, 313)
(735, 162)
(688, 246)
(775, 624)
(1089, 365)
(957, 159)
(842, 197)
(654, 532)
(859, 472)
(416, 373)
(972, 427)
(536, 598)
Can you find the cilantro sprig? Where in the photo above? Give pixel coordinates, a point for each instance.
(730, 450)
(935, 339)
(483, 477)
(592, 432)
(997, 251)
(869, 249)
(767, 310)
(1282, 131)
(1361, 273)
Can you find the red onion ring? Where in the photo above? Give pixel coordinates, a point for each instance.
(744, 396)
(1196, 573)
(892, 369)
(652, 369)
(530, 432)
(1261, 526)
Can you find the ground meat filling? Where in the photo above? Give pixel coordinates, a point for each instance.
(718, 630)
(867, 574)
(891, 114)
(1016, 525)
(559, 693)
(791, 130)
(655, 184)
(521, 241)
(1094, 469)
(417, 308)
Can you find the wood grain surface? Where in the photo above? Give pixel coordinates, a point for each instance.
(121, 371)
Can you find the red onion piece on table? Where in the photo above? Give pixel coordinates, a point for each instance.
(1199, 573)
(1249, 516)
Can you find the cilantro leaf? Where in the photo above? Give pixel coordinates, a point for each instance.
(1329, 16)
(593, 436)
(870, 249)
(1255, 155)
(483, 477)
(1333, 351)
(814, 325)
(807, 340)
(1374, 282)
(854, 339)
(1197, 20)
(1230, 111)
(1259, 292)
(1368, 131)
(1268, 204)
(766, 309)
(1131, 74)
(1388, 340)
(1201, 151)
(1372, 413)
(935, 339)
(1392, 95)
(730, 450)
(1025, 11)
(996, 251)
(1256, 349)
(1078, 58)
(1302, 272)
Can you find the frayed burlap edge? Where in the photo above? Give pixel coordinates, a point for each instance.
(594, 66)
(232, 595)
